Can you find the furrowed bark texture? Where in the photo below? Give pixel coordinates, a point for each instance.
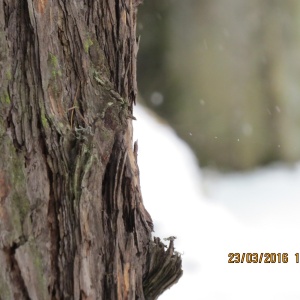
(72, 220)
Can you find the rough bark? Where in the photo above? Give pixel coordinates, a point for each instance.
(72, 220)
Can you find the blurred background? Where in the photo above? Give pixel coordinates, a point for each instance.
(222, 77)
(225, 74)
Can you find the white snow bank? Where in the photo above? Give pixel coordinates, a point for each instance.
(213, 214)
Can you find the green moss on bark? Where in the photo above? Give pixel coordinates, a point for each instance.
(87, 44)
(5, 99)
(20, 203)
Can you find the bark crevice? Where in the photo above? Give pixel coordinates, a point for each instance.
(20, 290)
(71, 177)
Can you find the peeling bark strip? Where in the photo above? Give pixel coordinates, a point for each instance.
(72, 220)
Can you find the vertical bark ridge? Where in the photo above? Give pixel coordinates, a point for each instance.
(71, 191)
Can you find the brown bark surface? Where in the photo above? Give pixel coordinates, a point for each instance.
(72, 221)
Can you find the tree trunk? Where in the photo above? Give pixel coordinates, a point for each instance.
(72, 220)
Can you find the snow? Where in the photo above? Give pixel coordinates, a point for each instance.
(213, 214)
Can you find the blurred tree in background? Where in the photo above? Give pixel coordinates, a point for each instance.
(225, 74)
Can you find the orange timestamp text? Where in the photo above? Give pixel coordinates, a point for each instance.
(259, 258)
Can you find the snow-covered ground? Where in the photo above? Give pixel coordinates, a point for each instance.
(213, 214)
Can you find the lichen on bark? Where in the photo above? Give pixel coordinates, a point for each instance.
(73, 223)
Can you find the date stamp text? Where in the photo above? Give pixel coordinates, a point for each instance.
(259, 258)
